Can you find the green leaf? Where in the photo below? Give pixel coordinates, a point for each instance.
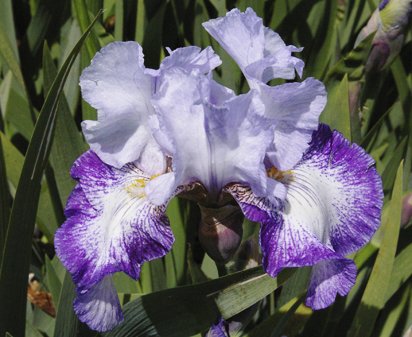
(69, 38)
(52, 281)
(182, 311)
(4, 198)
(152, 41)
(16, 108)
(336, 113)
(83, 18)
(13, 280)
(351, 64)
(176, 259)
(7, 21)
(323, 42)
(40, 23)
(389, 174)
(277, 332)
(68, 144)
(394, 314)
(295, 286)
(119, 15)
(10, 58)
(46, 219)
(238, 297)
(374, 299)
(67, 323)
(220, 6)
(401, 272)
(141, 21)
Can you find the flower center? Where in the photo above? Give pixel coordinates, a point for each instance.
(282, 176)
(136, 189)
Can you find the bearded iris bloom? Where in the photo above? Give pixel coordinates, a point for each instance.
(175, 131)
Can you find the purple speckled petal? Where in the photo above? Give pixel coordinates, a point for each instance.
(347, 186)
(258, 209)
(332, 208)
(110, 225)
(219, 329)
(286, 243)
(328, 279)
(99, 307)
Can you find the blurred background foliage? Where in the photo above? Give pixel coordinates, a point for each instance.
(43, 48)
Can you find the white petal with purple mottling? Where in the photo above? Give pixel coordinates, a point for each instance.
(99, 307)
(332, 208)
(328, 279)
(110, 226)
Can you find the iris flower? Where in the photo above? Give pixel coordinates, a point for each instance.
(176, 132)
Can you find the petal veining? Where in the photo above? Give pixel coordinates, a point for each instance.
(330, 278)
(99, 307)
(110, 226)
(332, 208)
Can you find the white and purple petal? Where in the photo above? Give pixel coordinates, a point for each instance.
(258, 209)
(332, 208)
(260, 53)
(117, 86)
(220, 329)
(99, 307)
(328, 279)
(111, 226)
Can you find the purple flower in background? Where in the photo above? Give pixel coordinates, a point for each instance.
(176, 132)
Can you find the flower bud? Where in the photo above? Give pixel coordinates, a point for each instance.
(389, 23)
(220, 231)
(406, 209)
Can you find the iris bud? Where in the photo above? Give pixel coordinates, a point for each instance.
(406, 209)
(389, 23)
(220, 231)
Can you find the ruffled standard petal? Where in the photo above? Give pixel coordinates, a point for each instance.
(332, 208)
(213, 136)
(238, 138)
(180, 128)
(191, 58)
(117, 86)
(294, 109)
(110, 226)
(99, 307)
(260, 53)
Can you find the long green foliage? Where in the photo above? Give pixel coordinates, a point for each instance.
(182, 294)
